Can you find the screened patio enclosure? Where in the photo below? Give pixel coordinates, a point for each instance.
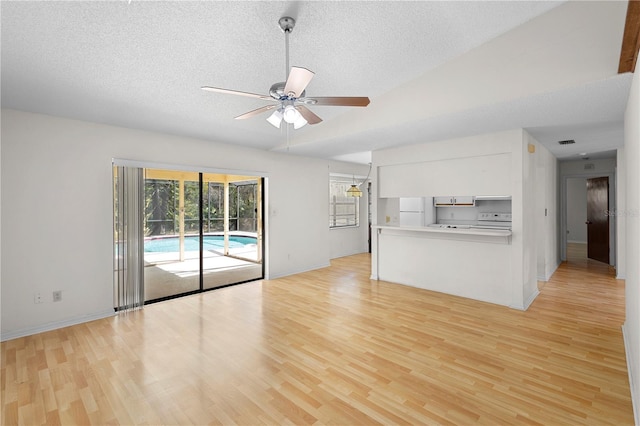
(199, 230)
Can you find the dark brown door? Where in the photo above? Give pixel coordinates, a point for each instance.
(597, 219)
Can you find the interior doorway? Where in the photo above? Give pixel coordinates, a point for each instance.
(597, 219)
(586, 225)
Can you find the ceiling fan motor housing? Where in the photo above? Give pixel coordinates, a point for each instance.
(277, 92)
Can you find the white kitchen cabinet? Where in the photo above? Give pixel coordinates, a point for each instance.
(442, 201)
(454, 200)
(464, 200)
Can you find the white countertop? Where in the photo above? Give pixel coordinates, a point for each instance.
(455, 231)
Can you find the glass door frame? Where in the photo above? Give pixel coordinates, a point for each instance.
(261, 233)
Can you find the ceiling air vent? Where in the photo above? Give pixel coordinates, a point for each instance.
(567, 142)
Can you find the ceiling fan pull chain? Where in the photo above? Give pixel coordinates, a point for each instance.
(287, 130)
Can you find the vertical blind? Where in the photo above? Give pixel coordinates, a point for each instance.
(128, 238)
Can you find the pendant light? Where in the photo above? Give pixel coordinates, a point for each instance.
(354, 190)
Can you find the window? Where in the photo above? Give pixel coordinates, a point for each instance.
(343, 210)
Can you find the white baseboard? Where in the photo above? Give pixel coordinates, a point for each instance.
(298, 271)
(576, 242)
(350, 253)
(55, 325)
(527, 302)
(552, 271)
(634, 398)
(549, 273)
(530, 300)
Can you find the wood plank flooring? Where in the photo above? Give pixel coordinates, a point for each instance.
(333, 347)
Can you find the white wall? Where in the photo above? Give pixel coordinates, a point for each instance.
(576, 210)
(470, 266)
(583, 167)
(57, 211)
(490, 164)
(529, 223)
(621, 220)
(546, 212)
(631, 326)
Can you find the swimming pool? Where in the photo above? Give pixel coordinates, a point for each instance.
(191, 243)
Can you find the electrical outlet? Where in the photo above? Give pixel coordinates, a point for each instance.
(57, 296)
(37, 298)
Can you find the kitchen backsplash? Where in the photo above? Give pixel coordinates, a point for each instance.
(390, 212)
(470, 214)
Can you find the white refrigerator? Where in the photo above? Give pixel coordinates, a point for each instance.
(412, 211)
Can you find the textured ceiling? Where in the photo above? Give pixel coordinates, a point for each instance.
(433, 70)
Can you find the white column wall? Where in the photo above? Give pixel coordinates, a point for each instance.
(529, 223)
(546, 213)
(57, 221)
(621, 220)
(631, 326)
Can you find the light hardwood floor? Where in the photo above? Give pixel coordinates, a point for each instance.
(333, 347)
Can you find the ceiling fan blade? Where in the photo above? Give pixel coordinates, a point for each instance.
(298, 80)
(308, 115)
(256, 112)
(237, 92)
(357, 101)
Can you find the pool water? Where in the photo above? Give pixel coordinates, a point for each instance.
(191, 243)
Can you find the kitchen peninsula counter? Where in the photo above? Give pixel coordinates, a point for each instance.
(467, 233)
(468, 262)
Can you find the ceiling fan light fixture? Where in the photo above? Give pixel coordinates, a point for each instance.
(300, 122)
(275, 119)
(290, 114)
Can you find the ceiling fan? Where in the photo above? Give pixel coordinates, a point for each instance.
(288, 98)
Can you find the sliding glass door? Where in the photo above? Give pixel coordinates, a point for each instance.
(199, 231)
(171, 224)
(232, 231)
